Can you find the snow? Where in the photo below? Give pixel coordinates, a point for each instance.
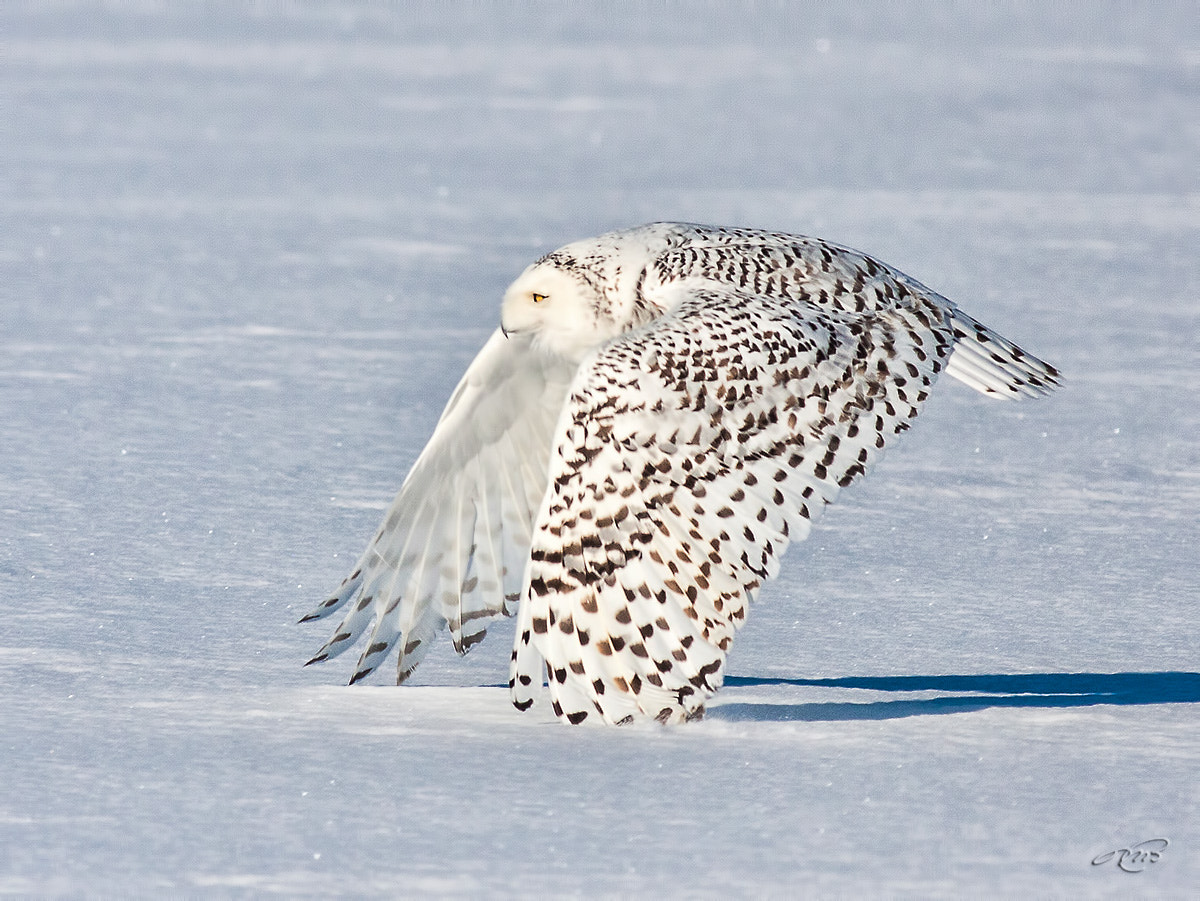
(248, 251)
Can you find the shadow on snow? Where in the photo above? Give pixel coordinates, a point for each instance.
(1045, 690)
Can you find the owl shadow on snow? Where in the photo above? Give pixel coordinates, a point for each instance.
(1045, 690)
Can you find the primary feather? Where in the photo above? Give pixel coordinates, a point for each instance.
(662, 412)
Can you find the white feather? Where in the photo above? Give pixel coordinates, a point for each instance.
(492, 441)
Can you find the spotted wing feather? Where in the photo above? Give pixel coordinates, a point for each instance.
(825, 275)
(692, 452)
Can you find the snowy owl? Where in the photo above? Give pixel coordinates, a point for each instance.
(662, 411)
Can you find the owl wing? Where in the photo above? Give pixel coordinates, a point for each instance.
(830, 276)
(691, 453)
(453, 546)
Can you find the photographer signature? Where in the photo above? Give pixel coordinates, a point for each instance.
(1135, 858)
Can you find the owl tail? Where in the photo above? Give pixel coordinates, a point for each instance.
(993, 365)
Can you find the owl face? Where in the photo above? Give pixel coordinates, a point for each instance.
(557, 309)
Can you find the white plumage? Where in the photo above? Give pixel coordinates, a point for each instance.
(662, 412)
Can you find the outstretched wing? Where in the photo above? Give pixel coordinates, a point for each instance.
(453, 546)
(829, 276)
(691, 453)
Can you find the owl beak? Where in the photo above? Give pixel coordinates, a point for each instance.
(505, 330)
(510, 319)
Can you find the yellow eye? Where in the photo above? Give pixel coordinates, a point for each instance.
(538, 298)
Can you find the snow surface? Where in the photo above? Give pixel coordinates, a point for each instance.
(246, 254)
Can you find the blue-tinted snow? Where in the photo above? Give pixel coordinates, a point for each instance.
(246, 254)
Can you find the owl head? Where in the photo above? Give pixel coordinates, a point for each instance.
(559, 309)
(584, 294)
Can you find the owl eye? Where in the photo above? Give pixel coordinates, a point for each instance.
(538, 298)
